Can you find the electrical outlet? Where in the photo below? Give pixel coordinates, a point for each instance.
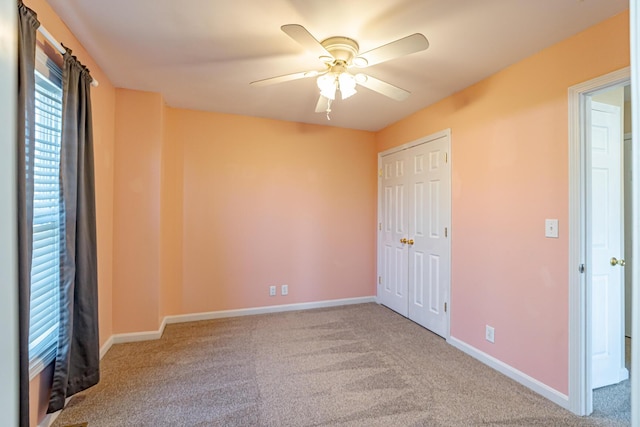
(272, 291)
(284, 290)
(489, 333)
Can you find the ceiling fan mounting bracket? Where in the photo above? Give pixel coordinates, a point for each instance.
(341, 48)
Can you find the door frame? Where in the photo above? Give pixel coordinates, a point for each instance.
(424, 140)
(580, 391)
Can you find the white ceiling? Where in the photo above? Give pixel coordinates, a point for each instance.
(202, 54)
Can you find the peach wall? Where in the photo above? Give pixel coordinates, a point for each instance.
(509, 173)
(211, 209)
(139, 141)
(171, 219)
(103, 110)
(267, 202)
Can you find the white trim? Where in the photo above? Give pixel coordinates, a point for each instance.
(194, 317)
(511, 372)
(579, 363)
(634, 19)
(419, 141)
(106, 346)
(9, 355)
(266, 310)
(140, 336)
(49, 419)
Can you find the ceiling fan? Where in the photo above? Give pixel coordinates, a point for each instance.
(339, 55)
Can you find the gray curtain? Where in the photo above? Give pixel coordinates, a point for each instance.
(78, 356)
(27, 26)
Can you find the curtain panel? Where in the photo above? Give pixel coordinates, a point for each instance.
(27, 26)
(78, 356)
(76, 366)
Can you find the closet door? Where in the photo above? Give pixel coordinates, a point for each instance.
(428, 268)
(413, 245)
(393, 234)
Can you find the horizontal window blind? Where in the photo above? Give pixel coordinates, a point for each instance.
(45, 269)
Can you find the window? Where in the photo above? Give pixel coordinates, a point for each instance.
(45, 268)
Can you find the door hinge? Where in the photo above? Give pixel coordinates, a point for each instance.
(581, 268)
(379, 280)
(446, 157)
(379, 172)
(446, 232)
(445, 307)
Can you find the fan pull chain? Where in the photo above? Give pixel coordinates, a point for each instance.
(328, 109)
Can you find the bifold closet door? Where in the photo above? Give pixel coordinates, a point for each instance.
(414, 241)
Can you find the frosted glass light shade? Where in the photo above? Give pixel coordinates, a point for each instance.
(347, 85)
(327, 85)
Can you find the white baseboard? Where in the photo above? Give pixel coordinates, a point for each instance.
(49, 419)
(106, 346)
(516, 375)
(266, 310)
(140, 336)
(154, 335)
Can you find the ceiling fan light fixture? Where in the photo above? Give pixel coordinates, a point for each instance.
(347, 84)
(327, 85)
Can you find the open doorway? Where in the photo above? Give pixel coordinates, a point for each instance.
(589, 219)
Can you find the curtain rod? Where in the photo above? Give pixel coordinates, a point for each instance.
(47, 35)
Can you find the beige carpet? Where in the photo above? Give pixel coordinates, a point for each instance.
(614, 402)
(360, 365)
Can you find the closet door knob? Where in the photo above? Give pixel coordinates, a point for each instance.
(615, 261)
(410, 241)
(403, 240)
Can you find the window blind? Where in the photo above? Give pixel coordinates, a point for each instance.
(45, 269)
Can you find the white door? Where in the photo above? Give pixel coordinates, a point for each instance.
(413, 250)
(428, 229)
(392, 282)
(607, 277)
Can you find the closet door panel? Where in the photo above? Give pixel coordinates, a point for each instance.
(429, 254)
(394, 285)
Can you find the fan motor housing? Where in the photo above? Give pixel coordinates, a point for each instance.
(341, 48)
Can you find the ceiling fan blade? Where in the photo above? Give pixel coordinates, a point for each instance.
(304, 38)
(323, 104)
(384, 88)
(404, 46)
(285, 78)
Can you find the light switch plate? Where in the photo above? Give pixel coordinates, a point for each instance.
(551, 228)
